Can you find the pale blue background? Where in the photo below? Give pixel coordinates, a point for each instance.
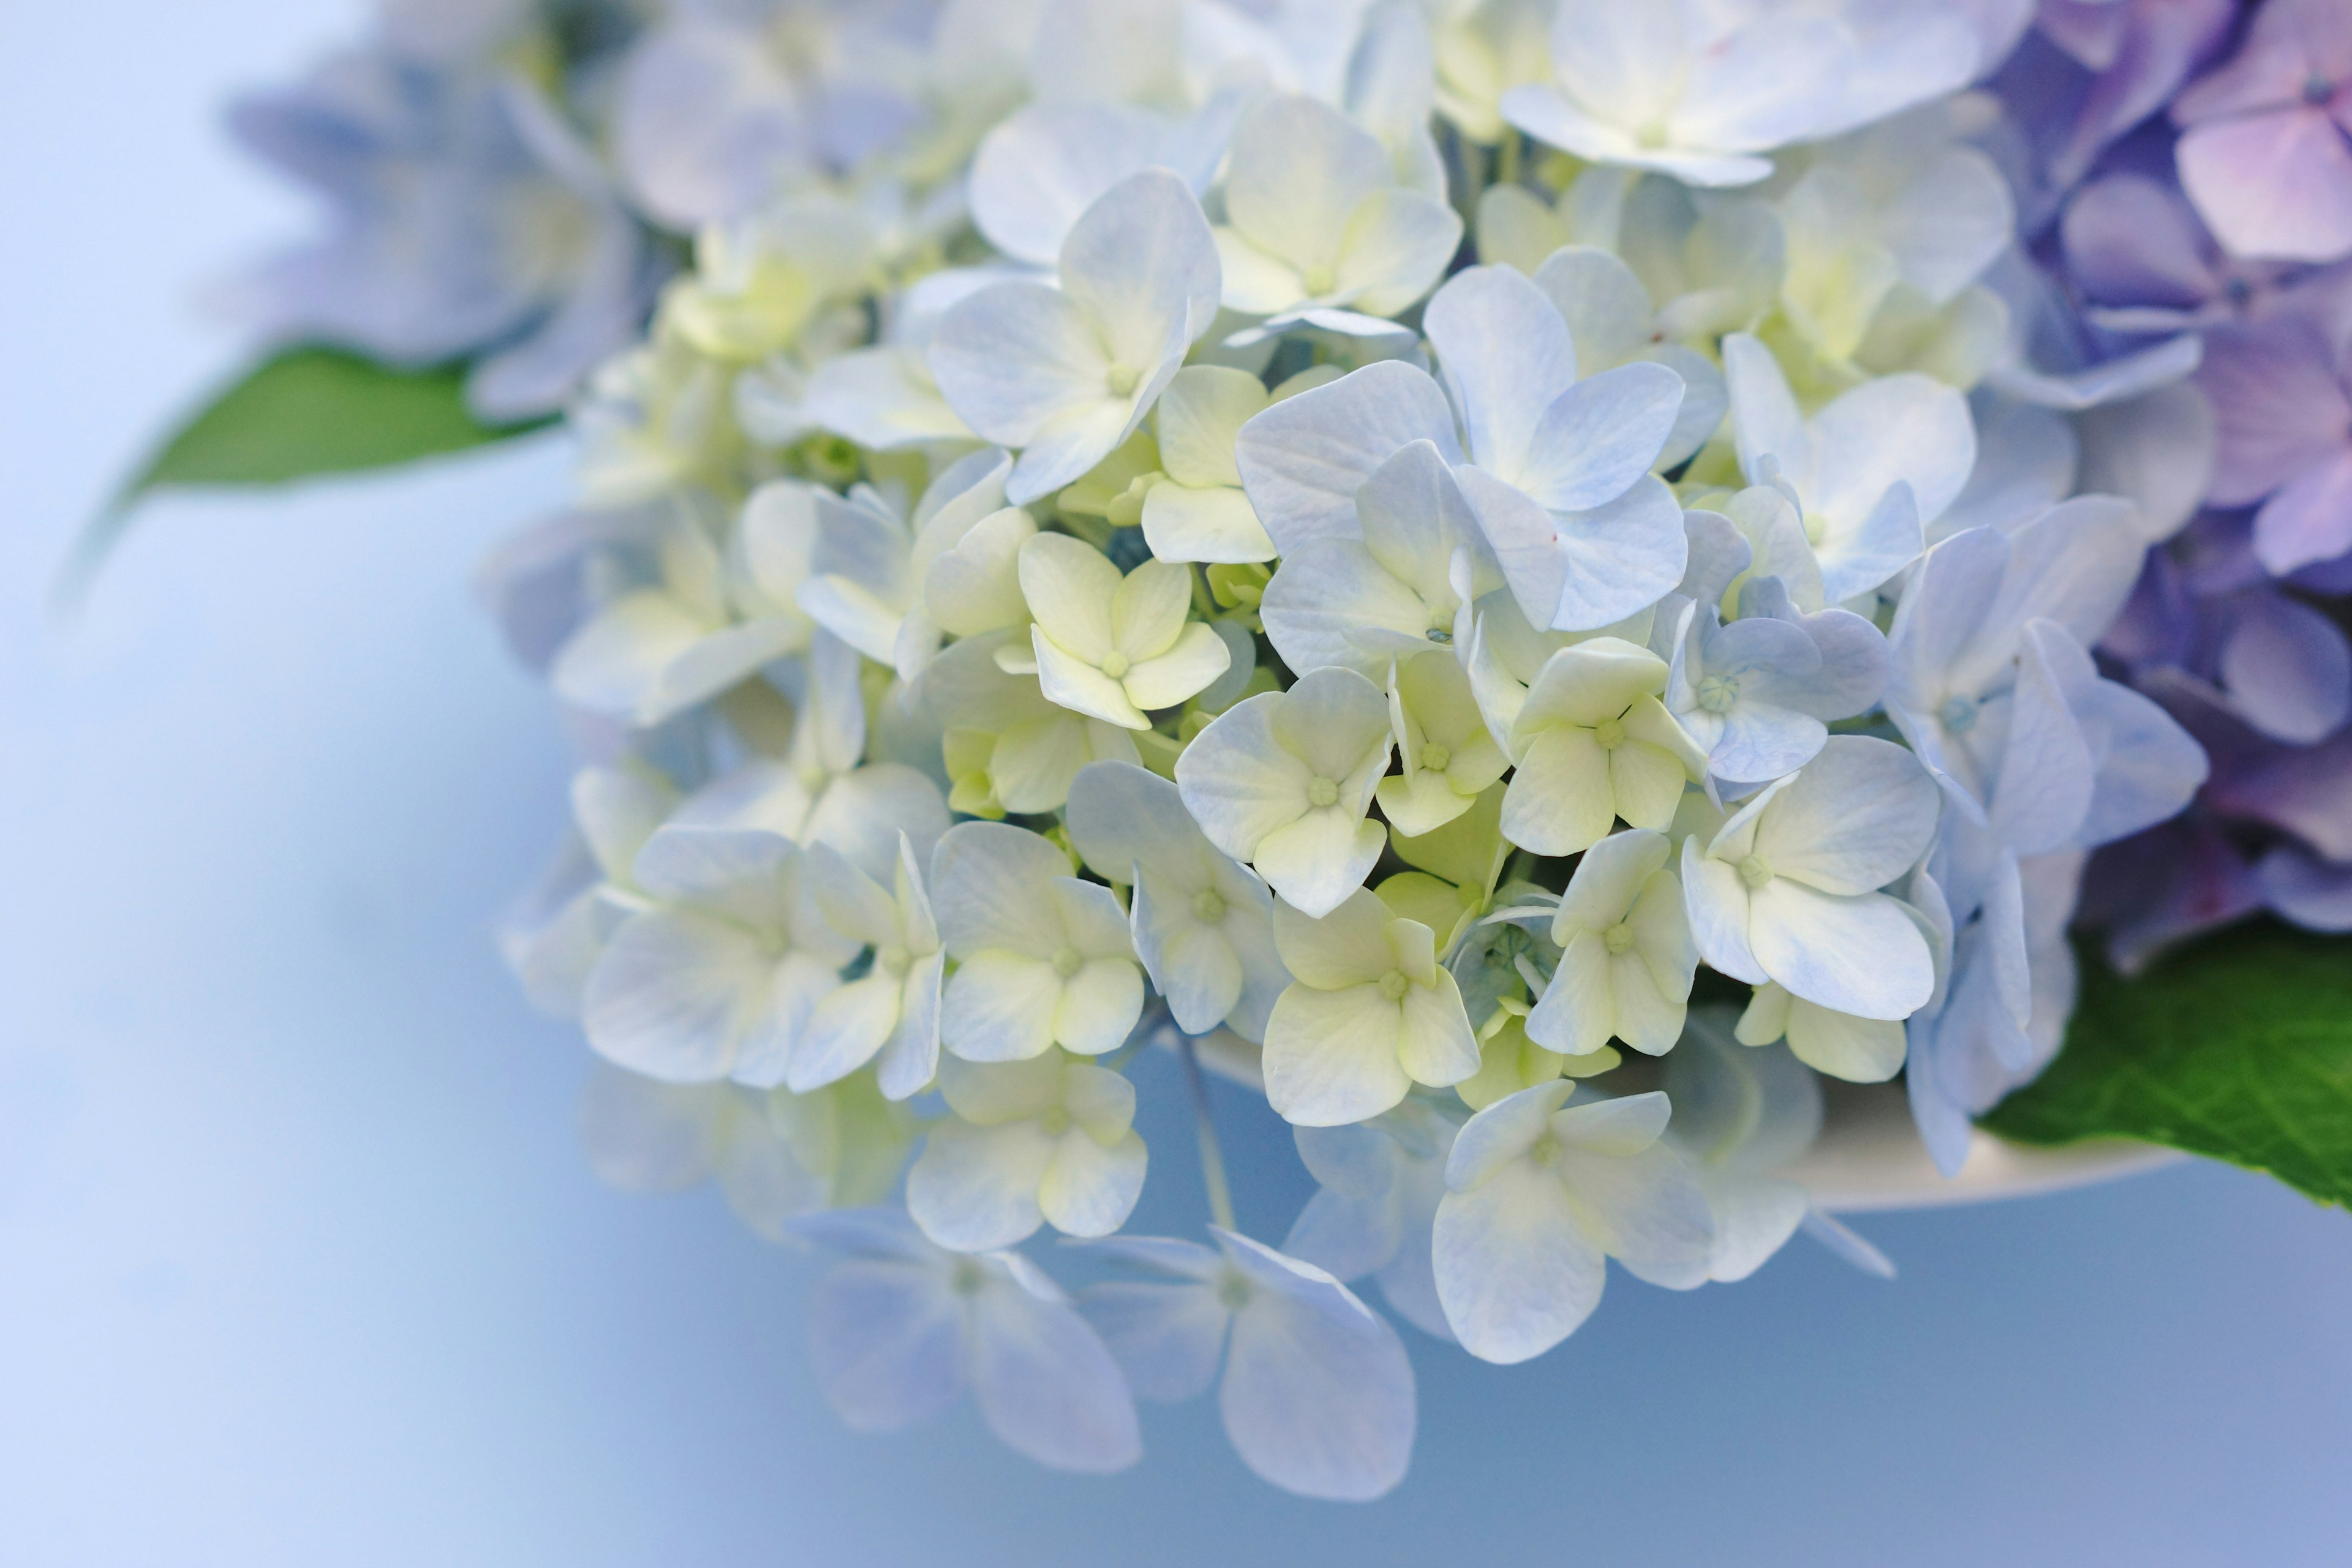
(300, 1264)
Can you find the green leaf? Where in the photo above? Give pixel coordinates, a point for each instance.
(2239, 1048)
(307, 412)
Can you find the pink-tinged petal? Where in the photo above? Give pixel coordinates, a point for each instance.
(2275, 186)
(2309, 520)
(2278, 407)
(2291, 43)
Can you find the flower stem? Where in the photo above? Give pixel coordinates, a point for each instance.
(1212, 1159)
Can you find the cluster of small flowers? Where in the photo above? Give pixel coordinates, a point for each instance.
(2187, 171)
(1364, 541)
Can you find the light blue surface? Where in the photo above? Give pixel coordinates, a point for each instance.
(300, 1263)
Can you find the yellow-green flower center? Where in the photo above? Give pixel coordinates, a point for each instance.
(1393, 984)
(893, 960)
(1056, 1121)
(1115, 664)
(1611, 733)
(1321, 279)
(1067, 963)
(1122, 380)
(1208, 906)
(1435, 758)
(1618, 938)
(1322, 791)
(1754, 871)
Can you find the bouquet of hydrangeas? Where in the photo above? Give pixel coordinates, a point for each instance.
(1540, 582)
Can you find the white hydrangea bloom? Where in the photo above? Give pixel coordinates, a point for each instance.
(1456, 866)
(704, 619)
(1370, 1014)
(891, 1014)
(1788, 889)
(1035, 175)
(1626, 954)
(1557, 469)
(820, 792)
(714, 977)
(870, 570)
(1903, 205)
(1066, 374)
(1870, 471)
(1078, 412)
(1538, 1193)
(1203, 925)
(883, 397)
(1758, 693)
(1592, 743)
(1112, 647)
(1041, 958)
(1699, 93)
(1484, 48)
(1316, 219)
(1047, 1139)
(1199, 510)
(1006, 747)
(1389, 591)
(1283, 782)
(1317, 1394)
(1611, 321)
(761, 280)
(1449, 758)
(903, 1326)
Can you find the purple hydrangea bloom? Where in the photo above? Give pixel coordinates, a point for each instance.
(2142, 260)
(2264, 151)
(2281, 392)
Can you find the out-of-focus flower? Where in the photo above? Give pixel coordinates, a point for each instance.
(1701, 96)
(1317, 1394)
(468, 221)
(902, 1326)
(715, 974)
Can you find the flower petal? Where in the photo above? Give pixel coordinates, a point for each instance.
(1318, 1395)
(1331, 1055)
(1514, 1272)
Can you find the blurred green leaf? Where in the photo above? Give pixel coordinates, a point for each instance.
(307, 412)
(2239, 1048)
